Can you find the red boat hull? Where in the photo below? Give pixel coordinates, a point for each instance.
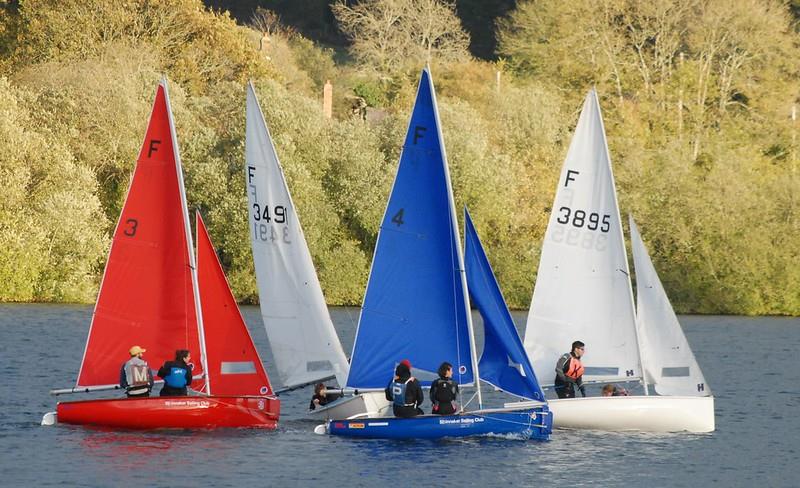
(188, 412)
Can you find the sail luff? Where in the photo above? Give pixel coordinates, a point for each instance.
(457, 241)
(304, 342)
(622, 239)
(414, 304)
(146, 297)
(188, 233)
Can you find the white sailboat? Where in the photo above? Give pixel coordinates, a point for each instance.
(583, 292)
(301, 333)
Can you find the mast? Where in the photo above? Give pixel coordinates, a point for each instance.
(459, 253)
(189, 242)
(622, 239)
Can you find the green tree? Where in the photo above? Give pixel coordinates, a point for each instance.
(51, 222)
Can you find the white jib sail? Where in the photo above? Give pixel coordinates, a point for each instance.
(301, 334)
(667, 358)
(583, 289)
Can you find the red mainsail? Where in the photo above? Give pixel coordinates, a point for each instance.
(233, 363)
(146, 297)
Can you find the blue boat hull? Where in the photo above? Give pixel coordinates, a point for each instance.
(532, 423)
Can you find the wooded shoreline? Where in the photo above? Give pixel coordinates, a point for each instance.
(700, 101)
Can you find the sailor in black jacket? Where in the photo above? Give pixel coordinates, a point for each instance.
(404, 392)
(444, 391)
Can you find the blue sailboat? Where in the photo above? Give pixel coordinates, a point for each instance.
(416, 305)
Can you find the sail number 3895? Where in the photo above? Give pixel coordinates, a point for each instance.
(580, 219)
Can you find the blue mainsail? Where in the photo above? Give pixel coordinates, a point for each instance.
(415, 305)
(503, 354)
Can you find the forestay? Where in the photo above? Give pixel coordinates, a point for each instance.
(582, 288)
(667, 358)
(504, 362)
(233, 362)
(147, 294)
(301, 334)
(415, 303)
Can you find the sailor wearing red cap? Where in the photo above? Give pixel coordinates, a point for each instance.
(405, 392)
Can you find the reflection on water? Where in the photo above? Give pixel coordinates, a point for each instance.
(126, 451)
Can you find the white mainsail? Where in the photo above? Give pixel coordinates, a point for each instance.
(301, 334)
(666, 356)
(583, 289)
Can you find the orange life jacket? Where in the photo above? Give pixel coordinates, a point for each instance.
(575, 368)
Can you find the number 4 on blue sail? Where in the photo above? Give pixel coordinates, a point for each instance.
(398, 218)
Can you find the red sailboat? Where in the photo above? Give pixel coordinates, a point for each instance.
(154, 295)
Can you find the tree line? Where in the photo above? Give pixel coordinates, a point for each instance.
(697, 99)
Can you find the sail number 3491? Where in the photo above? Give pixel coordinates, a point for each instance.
(262, 217)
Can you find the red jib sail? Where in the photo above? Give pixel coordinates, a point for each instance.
(233, 362)
(146, 297)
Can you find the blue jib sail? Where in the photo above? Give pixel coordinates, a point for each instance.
(503, 354)
(414, 307)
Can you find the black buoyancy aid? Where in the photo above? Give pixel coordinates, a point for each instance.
(398, 390)
(445, 391)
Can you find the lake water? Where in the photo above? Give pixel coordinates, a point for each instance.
(748, 363)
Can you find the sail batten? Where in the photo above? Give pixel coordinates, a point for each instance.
(583, 289)
(415, 302)
(292, 305)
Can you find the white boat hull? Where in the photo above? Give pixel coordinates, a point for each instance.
(369, 404)
(634, 413)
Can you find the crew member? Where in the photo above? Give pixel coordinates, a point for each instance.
(321, 396)
(444, 391)
(404, 392)
(177, 374)
(135, 375)
(569, 372)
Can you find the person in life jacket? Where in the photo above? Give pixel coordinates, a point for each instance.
(569, 372)
(135, 375)
(177, 374)
(404, 392)
(444, 391)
